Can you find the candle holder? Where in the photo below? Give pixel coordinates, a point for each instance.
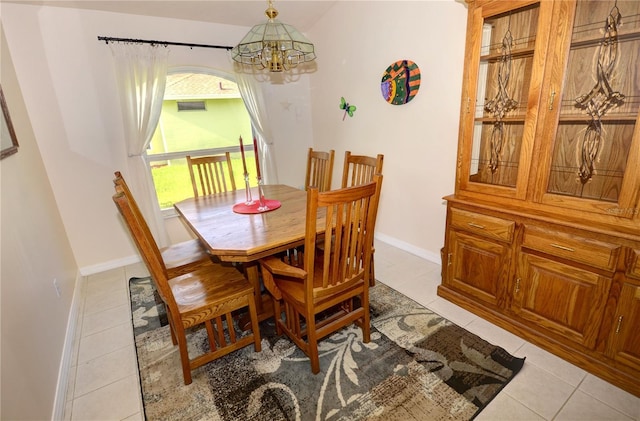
(249, 200)
(252, 206)
(262, 207)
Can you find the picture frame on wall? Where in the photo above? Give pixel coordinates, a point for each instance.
(8, 139)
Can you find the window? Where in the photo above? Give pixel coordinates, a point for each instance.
(202, 114)
(191, 106)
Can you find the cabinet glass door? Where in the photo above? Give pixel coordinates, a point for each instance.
(507, 43)
(594, 143)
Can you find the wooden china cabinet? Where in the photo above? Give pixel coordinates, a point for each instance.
(543, 229)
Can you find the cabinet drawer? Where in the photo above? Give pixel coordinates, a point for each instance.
(573, 247)
(488, 226)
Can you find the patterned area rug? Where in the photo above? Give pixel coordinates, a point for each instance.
(417, 366)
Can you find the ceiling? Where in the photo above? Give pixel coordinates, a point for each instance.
(301, 14)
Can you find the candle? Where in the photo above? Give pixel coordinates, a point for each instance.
(244, 162)
(255, 150)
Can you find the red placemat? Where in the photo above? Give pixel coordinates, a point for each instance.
(253, 208)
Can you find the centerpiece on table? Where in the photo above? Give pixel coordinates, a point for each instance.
(250, 206)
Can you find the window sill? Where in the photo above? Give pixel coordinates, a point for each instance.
(169, 213)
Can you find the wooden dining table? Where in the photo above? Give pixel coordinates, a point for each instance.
(245, 238)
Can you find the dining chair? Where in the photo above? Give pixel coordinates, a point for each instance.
(319, 170)
(359, 169)
(206, 296)
(179, 258)
(214, 174)
(316, 299)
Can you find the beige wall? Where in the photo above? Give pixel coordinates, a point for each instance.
(34, 250)
(356, 42)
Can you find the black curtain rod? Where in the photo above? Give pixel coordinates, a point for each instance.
(146, 41)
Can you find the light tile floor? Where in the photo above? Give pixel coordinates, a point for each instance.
(103, 383)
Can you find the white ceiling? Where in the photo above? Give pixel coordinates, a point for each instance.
(301, 14)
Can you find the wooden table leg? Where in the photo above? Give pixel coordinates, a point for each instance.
(264, 305)
(252, 272)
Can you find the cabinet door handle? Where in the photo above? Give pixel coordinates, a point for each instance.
(449, 259)
(552, 98)
(468, 105)
(558, 246)
(473, 224)
(619, 325)
(517, 285)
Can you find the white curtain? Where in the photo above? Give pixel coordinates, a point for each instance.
(253, 98)
(141, 73)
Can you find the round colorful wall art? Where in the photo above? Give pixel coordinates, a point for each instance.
(400, 82)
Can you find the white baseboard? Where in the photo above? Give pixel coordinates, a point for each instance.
(64, 371)
(410, 248)
(112, 264)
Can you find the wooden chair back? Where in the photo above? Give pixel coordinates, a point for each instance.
(119, 182)
(359, 169)
(346, 255)
(319, 170)
(122, 187)
(146, 245)
(211, 174)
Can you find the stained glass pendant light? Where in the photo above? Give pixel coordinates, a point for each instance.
(273, 45)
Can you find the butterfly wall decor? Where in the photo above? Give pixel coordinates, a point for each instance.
(348, 109)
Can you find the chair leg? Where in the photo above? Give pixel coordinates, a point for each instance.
(231, 329)
(366, 318)
(293, 320)
(372, 273)
(257, 344)
(210, 335)
(220, 329)
(277, 316)
(171, 328)
(312, 343)
(184, 354)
